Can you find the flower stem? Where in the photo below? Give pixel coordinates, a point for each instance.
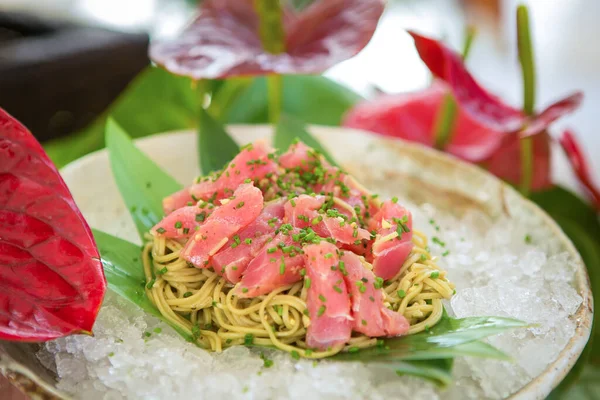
(526, 59)
(272, 37)
(446, 116)
(444, 122)
(275, 97)
(469, 36)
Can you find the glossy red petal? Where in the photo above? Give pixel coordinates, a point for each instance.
(51, 278)
(411, 116)
(580, 166)
(223, 41)
(447, 65)
(505, 162)
(540, 122)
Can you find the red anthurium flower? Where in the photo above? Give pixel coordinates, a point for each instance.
(224, 40)
(485, 131)
(580, 166)
(51, 278)
(447, 65)
(412, 116)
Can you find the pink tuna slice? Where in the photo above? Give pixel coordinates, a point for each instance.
(265, 273)
(300, 157)
(388, 255)
(253, 162)
(354, 195)
(231, 262)
(327, 298)
(225, 221)
(177, 200)
(304, 213)
(181, 223)
(371, 317)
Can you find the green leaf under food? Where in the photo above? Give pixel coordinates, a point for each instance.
(587, 388)
(155, 101)
(444, 340)
(215, 147)
(289, 129)
(438, 372)
(124, 273)
(313, 99)
(142, 183)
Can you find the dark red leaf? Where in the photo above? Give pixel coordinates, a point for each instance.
(447, 65)
(580, 166)
(51, 278)
(540, 122)
(223, 41)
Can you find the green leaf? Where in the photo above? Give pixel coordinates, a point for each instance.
(445, 340)
(124, 273)
(215, 147)
(558, 201)
(438, 372)
(289, 129)
(155, 101)
(587, 388)
(142, 183)
(313, 99)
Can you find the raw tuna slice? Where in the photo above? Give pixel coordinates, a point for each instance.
(371, 317)
(177, 200)
(253, 162)
(231, 262)
(220, 227)
(393, 244)
(273, 267)
(181, 223)
(300, 157)
(327, 298)
(302, 213)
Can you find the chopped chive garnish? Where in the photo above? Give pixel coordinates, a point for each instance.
(445, 253)
(322, 298)
(147, 334)
(295, 355)
(378, 283)
(435, 275)
(364, 322)
(303, 272)
(394, 199)
(240, 205)
(248, 241)
(163, 271)
(161, 230)
(353, 349)
(178, 225)
(187, 294)
(248, 339)
(321, 311)
(528, 238)
(271, 250)
(401, 293)
(328, 255)
(423, 257)
(244, 290)
(372, 299)
(247, 180)
(201, 217)
(337, 289)
(186, 231)
(436, 240)
(157, 330)
(307, 282)
(151, 283)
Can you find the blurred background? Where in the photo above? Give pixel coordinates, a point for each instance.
(60, 67)
(62, 62)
